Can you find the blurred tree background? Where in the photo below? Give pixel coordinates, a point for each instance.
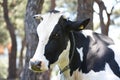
(14, 17)
(105, 16)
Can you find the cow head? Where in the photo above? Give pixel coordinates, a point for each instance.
(53, 32)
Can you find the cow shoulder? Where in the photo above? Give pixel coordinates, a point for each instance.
(94, 50)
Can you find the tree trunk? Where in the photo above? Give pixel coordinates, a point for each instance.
(33, 7)
(12, 54)
(20, 65)
(53, 4)
(104, 26)
(85, 10)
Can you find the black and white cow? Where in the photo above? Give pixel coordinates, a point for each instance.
(91, 55)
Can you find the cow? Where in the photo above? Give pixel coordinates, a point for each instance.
(64, 42)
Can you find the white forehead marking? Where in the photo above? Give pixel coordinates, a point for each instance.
(47, 25)
(44, 30)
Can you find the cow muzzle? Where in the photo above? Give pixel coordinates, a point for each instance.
(37, 66)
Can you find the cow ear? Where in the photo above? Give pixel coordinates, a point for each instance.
(78, 25)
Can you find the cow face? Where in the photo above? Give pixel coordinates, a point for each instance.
(53, 35)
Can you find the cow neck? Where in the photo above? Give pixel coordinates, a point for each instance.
(72, 49)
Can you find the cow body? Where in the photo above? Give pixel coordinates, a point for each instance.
(99, 60)
(62, 42)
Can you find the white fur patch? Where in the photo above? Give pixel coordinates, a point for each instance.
(88, 33)
(80, 53)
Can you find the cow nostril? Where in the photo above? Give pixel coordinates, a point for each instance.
(38, 64)
(35, 65)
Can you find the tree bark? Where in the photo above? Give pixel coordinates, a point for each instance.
(33, 7)
(85, 10)
(20, 64)
(12, 54)
(53, 4)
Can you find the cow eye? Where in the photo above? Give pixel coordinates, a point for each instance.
(56, 36)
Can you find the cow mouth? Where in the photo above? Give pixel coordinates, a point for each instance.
(36, 69)
(38, 66)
